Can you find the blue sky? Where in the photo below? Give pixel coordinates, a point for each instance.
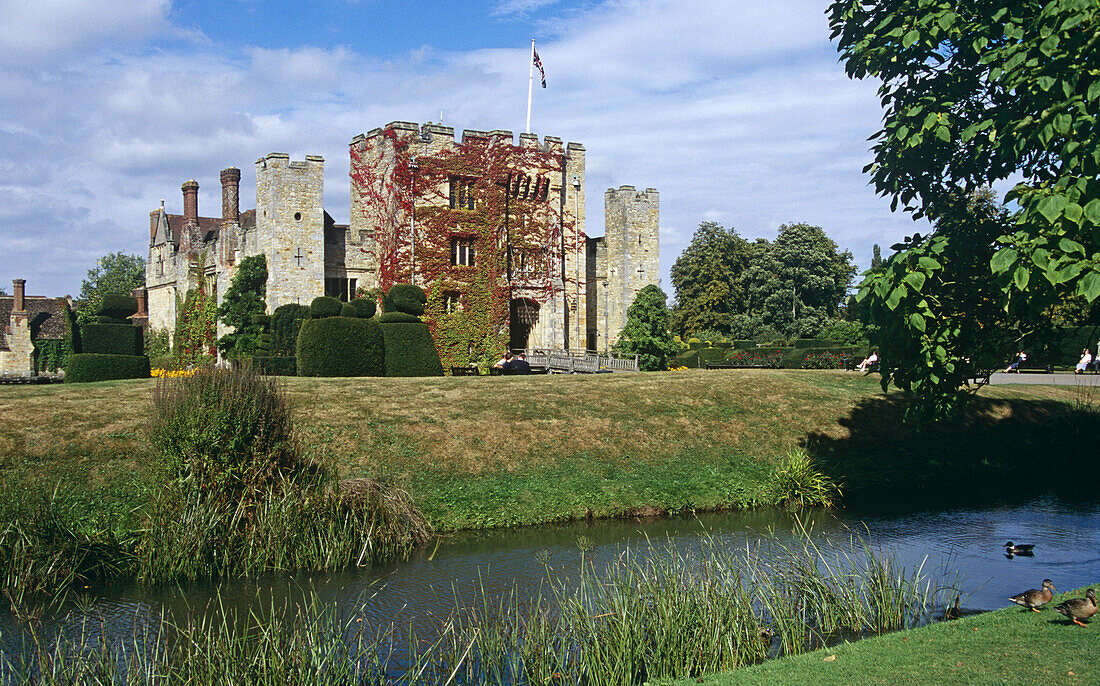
(738, 112)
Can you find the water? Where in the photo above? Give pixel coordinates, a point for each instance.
(968, 541)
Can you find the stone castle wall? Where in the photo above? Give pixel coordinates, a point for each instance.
(290, 221)
(631, 245)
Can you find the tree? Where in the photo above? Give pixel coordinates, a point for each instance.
(114, 274)
(706, 279)
(876, 257)
(646, 333)
(977, 92)
(244, 298)
(948, 322)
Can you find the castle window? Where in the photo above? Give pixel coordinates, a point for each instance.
(160, 266)
(527, 262)
(462, 252)
(462, 193)
(341, 289)
(452, 302)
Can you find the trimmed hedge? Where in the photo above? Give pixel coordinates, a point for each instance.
(341, 346)
(410, 350)
(98, 367)
(277, 366)
(286, 321)
(816, 343)
(325, 306)
(822, 358)
(743, 345)
(117, 307)
(112, 339)
(405, 297)
(399, 317)
(364, 308)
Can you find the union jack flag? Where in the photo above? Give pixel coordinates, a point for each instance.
(538, 63)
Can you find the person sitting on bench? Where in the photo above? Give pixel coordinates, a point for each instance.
(868, 361)
(1083, 364)
(517, 364)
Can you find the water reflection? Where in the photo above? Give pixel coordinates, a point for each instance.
(469, 567)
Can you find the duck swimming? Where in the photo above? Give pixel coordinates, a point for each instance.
(1035, 598)
(1078, 609)
(1019, 549)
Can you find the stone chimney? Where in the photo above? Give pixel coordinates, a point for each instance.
(191, 201)
(18, 290)
(231, 206)
(142, 297)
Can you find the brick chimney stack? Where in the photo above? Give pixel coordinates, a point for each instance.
(142, 297)
(191, 201)
(231, 205)
(18, 289)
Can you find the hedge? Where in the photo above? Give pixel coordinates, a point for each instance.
(743, 345)
(117, 307)
(364, 308)
(277, 366)
(286, 321)
(112, 339)
(97, 367)
(325, 306)
(340, 346)
(816, 343)
(822, 358)
(410, 350)
(404, 297)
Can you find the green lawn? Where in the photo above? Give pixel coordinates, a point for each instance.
(1009, 646)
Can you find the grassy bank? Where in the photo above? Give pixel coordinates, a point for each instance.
(482, 452)
(1010, 646)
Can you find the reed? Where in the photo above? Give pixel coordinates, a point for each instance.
(658, 613)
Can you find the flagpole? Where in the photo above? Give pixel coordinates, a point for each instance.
(530, 83)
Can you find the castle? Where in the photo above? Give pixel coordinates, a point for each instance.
(494, 232)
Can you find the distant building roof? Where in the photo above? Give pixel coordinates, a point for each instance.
(47, 315)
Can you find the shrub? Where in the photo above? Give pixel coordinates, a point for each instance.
(410, 350)
(694, 344)
(243, 300)
(112, 339)
(758, 357)
(815, 343)
(820, 358)
(325, 306)
(286, 321)
(364, 308)
(98, 367)
(158, 343)
(117, 307)
(743, 345)
(340, 346)
(798, 483)
(226, 433)
(348, 310)
(405, 297)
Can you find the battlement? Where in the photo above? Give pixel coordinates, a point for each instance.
(429, 132)
(276, 160)
(630, 193)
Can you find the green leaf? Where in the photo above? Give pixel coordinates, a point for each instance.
(917, 322)
(1051, 207)
(1089, 285)
(946, 20)
(1003, 260)
(1046, 82)
(915, 280)
(1094, 91)
(1021, 277)
(928, 264)
(1070, 246)
(895, 297)
(910, 38)
(1092, 211)
(1062, 123)
(943, 133)
(1073, 212)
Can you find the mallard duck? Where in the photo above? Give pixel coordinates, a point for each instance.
(1078, 609)
(1020, 549)
(1035, 598)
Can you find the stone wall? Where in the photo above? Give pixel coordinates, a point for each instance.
(289, 230)
(631, 221)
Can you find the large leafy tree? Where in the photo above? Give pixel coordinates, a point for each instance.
(245, 297)
(707, 280)
(114, 274)
(646, 333)
(976, 92)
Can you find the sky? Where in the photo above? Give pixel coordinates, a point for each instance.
(737, 111)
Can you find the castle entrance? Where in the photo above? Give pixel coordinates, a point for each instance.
(523, 315)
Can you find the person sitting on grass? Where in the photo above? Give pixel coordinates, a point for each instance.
(868, 361)
(1085, 361)
(1020, 358)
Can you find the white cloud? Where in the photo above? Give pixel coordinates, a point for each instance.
(736, 112)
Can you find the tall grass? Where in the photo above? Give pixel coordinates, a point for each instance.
(797, 482)
(662, 613)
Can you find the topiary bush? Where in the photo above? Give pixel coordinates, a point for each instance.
(364, 308)
(405, 297)
(286, 321)
(325, 306)
(114, 309)
(409, 348)
(87, 367)
(112, 339)
(348, 310)
(277, 366)
(340, 346)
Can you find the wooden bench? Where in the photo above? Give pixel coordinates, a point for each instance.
(465, 371)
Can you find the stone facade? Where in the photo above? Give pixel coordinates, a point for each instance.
(23, 320)
(627, 259)
(567, 291)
